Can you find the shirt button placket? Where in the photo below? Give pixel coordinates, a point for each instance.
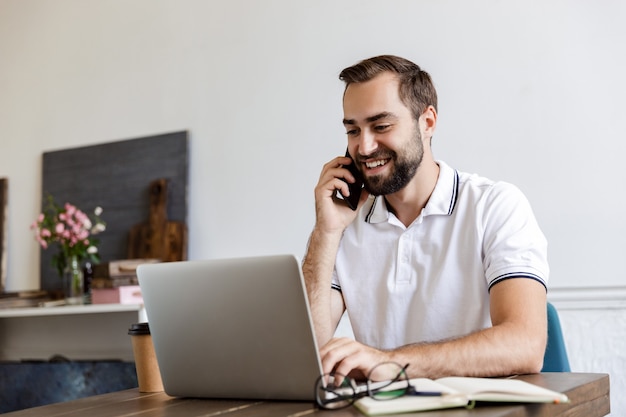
(404, 258)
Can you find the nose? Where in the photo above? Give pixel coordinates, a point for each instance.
(367, 143)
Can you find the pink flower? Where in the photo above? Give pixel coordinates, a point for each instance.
(70, 228)
(70, 209)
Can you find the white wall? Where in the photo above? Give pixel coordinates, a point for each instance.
(531, 92)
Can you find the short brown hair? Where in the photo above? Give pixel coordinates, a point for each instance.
(416, 89)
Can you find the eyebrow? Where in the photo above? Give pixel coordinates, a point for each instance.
(374, 118)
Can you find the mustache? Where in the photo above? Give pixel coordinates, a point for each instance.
(379, 154)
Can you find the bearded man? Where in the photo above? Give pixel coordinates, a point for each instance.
(440, 270)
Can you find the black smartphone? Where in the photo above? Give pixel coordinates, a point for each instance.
(356, 187)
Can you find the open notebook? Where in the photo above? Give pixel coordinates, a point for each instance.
(461, 392)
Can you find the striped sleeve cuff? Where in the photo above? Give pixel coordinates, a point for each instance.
(518, 275)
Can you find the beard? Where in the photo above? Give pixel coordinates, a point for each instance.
(405, 165)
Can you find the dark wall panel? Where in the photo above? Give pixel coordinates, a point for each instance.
(115, 176)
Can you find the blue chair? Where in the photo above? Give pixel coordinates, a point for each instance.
(555, 359)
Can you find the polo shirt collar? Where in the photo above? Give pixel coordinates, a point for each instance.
(441, 202)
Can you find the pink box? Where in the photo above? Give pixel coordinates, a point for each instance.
(126, 294)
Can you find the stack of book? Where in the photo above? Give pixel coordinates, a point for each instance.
(115, 282)
(32, 298)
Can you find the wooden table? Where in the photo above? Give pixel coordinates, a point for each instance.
(589, 395)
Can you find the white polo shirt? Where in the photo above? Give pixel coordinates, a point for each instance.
(430, 281)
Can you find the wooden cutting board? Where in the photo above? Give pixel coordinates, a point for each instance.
(159, 238)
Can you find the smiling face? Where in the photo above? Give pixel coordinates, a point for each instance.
(383, 137)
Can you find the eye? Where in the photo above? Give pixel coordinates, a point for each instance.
(352, 132)
(382, 128)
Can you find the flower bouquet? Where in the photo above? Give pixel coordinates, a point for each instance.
(71, 230)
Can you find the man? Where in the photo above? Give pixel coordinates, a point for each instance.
(438, 269)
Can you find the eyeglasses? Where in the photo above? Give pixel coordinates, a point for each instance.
(385, 381)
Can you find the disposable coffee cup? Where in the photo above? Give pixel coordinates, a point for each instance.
(148, 373)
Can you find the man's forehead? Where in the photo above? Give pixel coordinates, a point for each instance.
(376, 98)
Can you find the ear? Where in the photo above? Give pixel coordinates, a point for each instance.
(428, 122)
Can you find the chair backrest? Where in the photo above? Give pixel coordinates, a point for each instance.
(555, 358)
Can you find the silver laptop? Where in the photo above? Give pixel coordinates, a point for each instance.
(232, 328)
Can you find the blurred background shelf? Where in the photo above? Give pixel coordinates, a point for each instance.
(69, 310)
(86, 332)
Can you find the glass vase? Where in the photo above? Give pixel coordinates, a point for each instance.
(73, 281)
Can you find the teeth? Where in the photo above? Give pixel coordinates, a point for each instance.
(375, 164)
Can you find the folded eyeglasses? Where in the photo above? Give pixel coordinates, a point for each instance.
(385, 381)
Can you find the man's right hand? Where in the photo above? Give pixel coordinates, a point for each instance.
(332, 214)
(332, 218)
